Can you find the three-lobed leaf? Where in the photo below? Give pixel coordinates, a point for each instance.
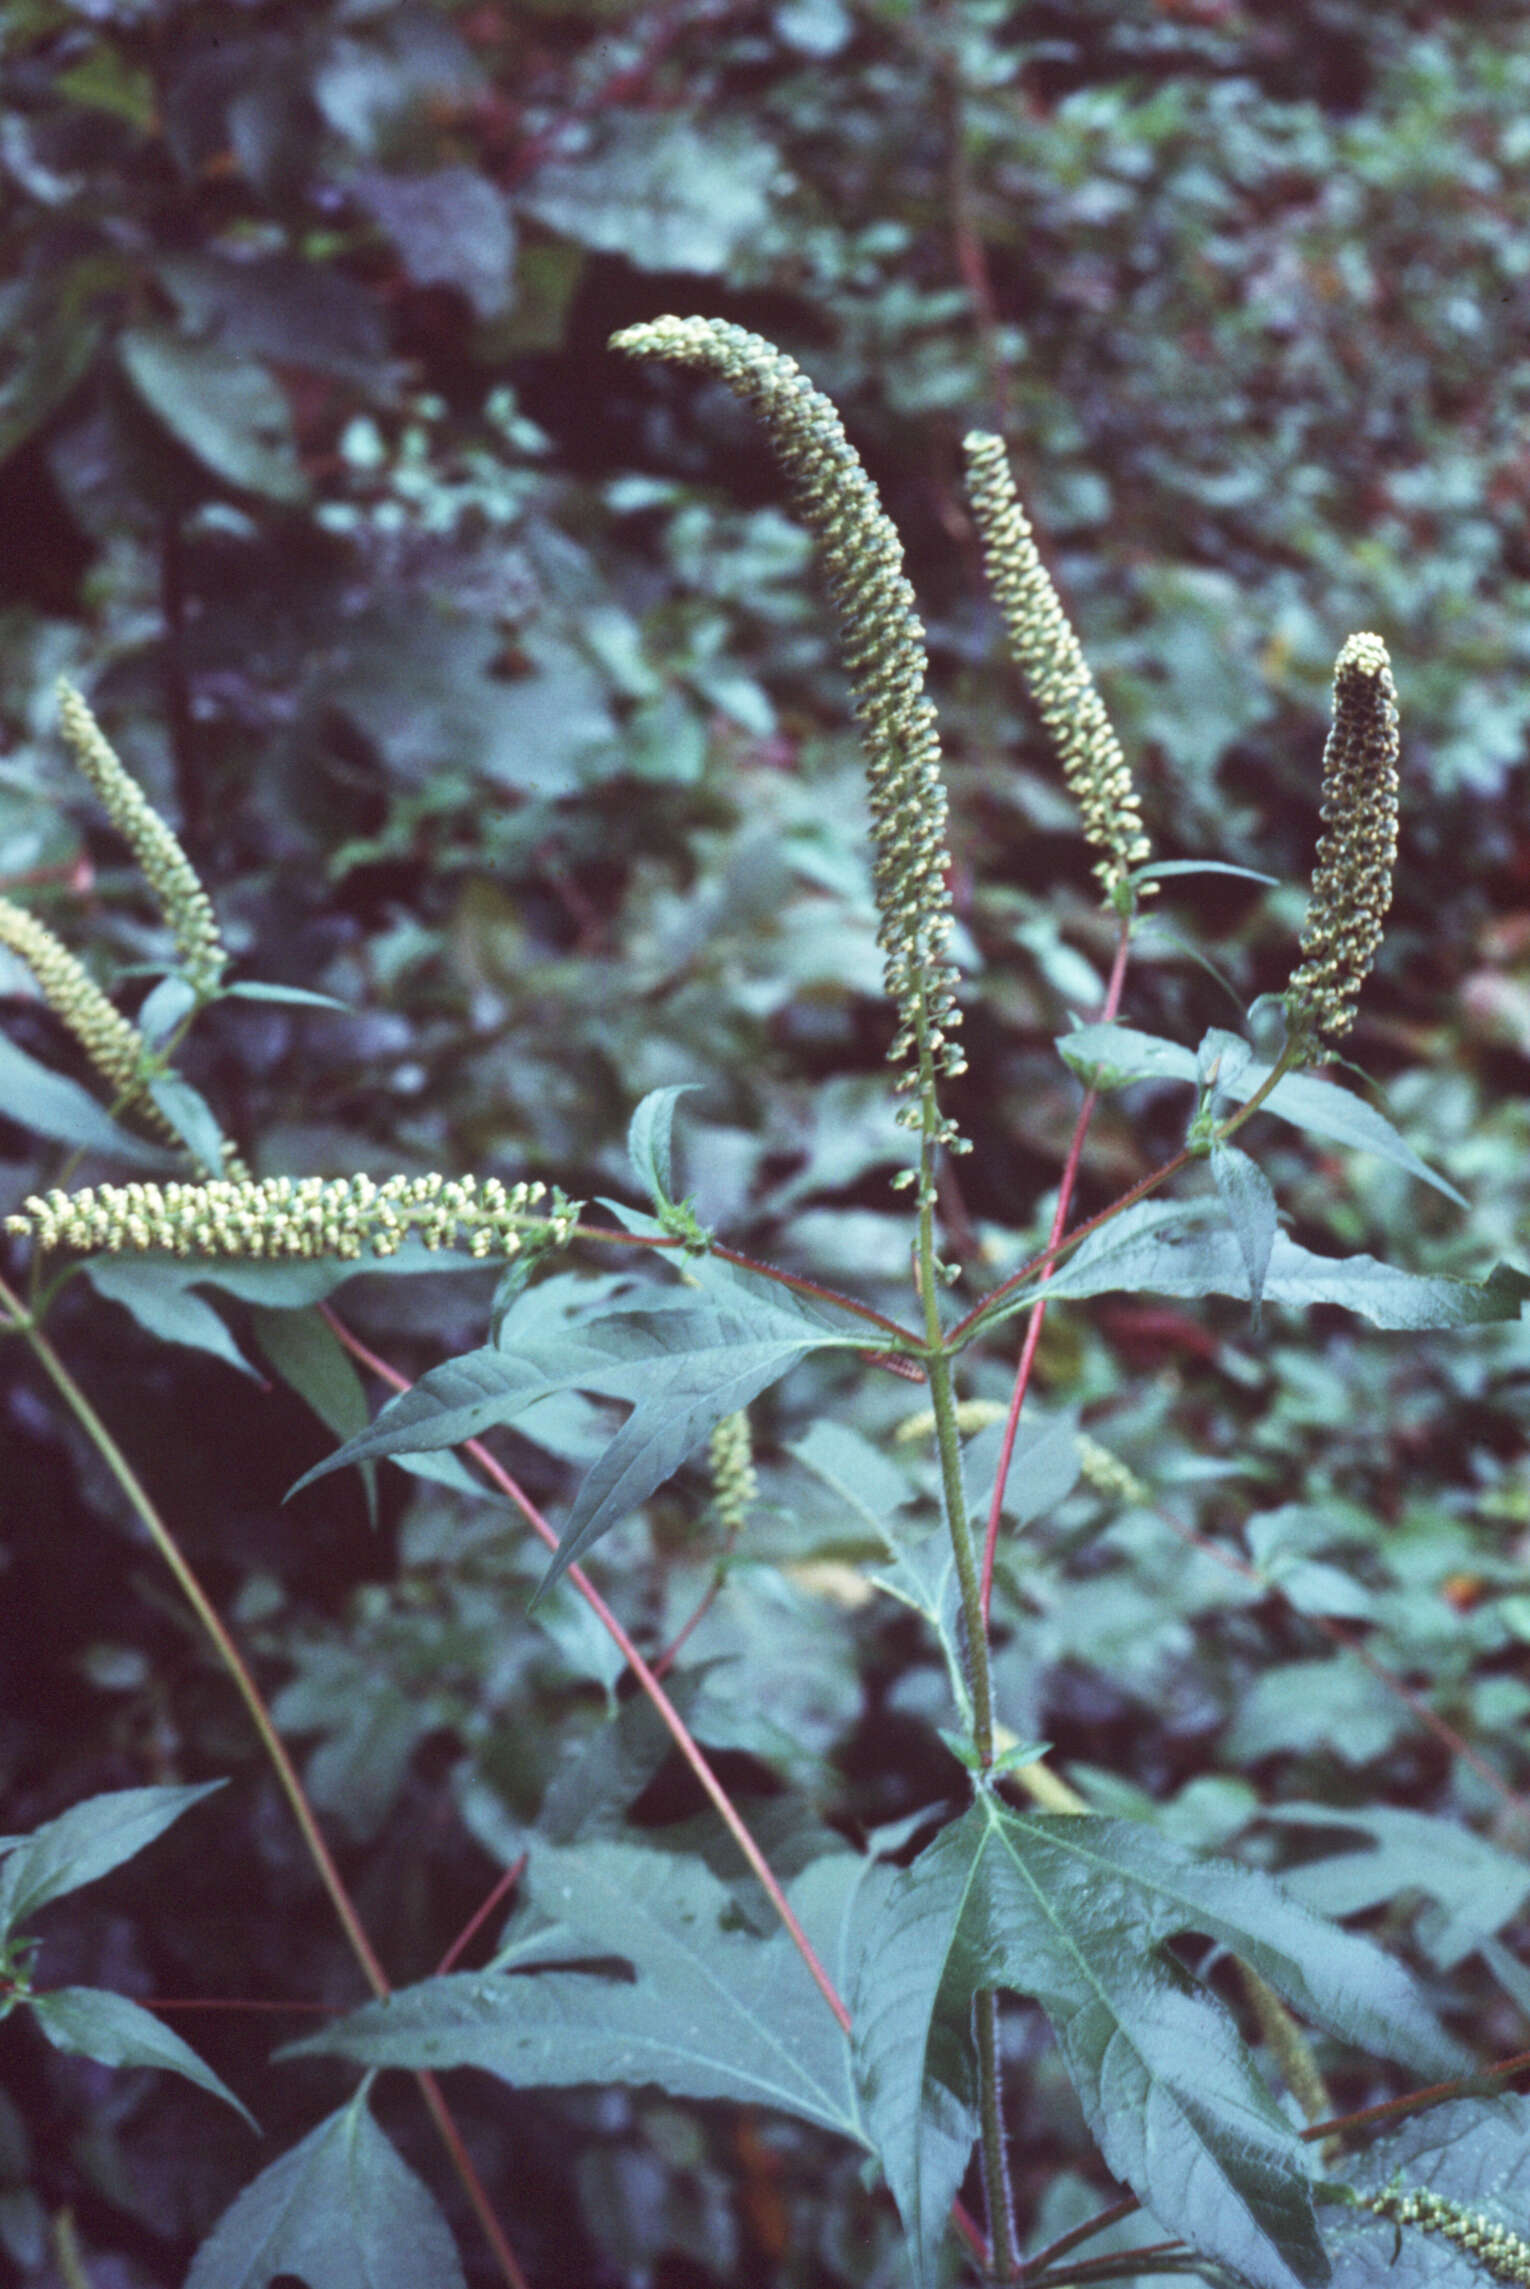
(1075, 1913)
(339, 2211)
(1164, 1248)
(699, 2006)
(682, 1361)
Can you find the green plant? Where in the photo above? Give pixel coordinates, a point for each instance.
(869, 2006)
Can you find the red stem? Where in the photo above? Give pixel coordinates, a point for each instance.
(1039, 1311)
(668, 1713)
(507, 1883)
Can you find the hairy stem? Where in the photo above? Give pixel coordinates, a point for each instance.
(998, 2199)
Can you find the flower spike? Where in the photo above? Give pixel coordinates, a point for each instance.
(283, 1217)
(884, 655)
(1352, 884)
(1049, 656)
(164, 865)
(112, 1042)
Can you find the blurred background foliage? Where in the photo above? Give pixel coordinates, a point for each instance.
(486, 679)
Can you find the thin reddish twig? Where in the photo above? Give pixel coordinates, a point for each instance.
(670, 1716)
(480, 1915)
(1038, 1314)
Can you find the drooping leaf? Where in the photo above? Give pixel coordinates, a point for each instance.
(1125, 1054)
(86, 1842)
(159, 1295)
(1163, 1249)
(1075, 1913)
(54, 1106)
(94, 2023)
(191, 1117)
(311, 1360)
(681, 1361)
(340, 2211)
(709, 2009)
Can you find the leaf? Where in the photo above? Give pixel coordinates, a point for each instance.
(667, 194)
(451, 227)
(85, 1842)
(1163, 869)
(1317, 1106)
(191, 1117)
(1479, 1887)
(682, 1362)
(709, 2010)
(1164, 1249)
(54, 1106)
(93, 2023)
(159, 1015)
(255, 989)
(311, 1360)
(225, 409)
(1075, 1911)
(1244, 1191)
(340, 2211)
(648, 1141)
(157, 1291)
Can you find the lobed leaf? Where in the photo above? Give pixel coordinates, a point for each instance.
(702, 2007)
(339, 2211)
(1075, 1912)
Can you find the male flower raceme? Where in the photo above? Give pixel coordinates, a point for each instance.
(1352, 884)
(1048, 654)
(884, 656)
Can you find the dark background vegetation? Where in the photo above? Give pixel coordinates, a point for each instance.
(488, 684)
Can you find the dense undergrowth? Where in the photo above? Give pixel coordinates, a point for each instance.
(487, 679)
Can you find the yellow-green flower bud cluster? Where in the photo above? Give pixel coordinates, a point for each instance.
(884, 655)
(1502, 2254)
(282, 1217)
(164, 865)
(730, 1455)
(1109, 1475)
(112, 1042)
(1352, 884)
(1048, 654)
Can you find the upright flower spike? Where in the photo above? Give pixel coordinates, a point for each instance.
(730, 1457)
(884, 655)
(1050, 657)
(113, 1044)
(164, 865)
(1352, 884)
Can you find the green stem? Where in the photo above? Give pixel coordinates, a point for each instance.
(998, 2199)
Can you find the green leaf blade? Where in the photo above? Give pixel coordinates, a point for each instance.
(94, 2023)
(87, 1841)
(339, 2211)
